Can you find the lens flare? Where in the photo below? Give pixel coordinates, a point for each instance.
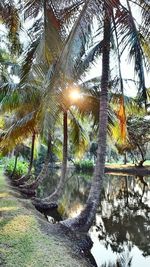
(74, 95)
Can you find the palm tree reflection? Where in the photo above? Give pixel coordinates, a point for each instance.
(123, 220)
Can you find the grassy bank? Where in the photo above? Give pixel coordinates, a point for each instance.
(127, 169)
(22, 242)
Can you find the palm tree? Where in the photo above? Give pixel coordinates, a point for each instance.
(65, 104)
(51, 201)
(44, 170)
(30, 188)
(54, 196)
(86, 217)
(27, 120)
(83, 221)
(49, 47)
(48, 10)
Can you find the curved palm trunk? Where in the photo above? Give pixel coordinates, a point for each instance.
(126, 190)
(125, 158)
(50, 202)
(85, 219)
(43, 172)
(15, 165)
(32, 153)
(140, 164)
(59, 190)
(26, 177)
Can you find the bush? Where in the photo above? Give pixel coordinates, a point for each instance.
(22, 167)
(84, 165)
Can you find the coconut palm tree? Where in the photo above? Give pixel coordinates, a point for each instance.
(65, 110)
(49, 15)
(83, 221)
(125, 17)
(54, 196)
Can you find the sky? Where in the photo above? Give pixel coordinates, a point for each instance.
(95, 71)
(127, 69)
(127, 73)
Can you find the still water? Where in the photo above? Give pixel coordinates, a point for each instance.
(121, 231)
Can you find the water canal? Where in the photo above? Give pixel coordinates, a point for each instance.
(121, 231)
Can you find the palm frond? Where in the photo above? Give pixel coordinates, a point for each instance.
(52, 39)
(91, 86)
(28, 60)
(70, 9)
(78, 136)
(129, 39)
(35, 29)
(145, 13)
(83, 63)
(32, 8)
(75, 43)
(145, 44)
(124, 260)
(89, 105)
(45, 49)
(19, 131)
(57, 148)
(23, 100)
(10, 15)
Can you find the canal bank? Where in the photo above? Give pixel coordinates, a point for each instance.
(27, 239)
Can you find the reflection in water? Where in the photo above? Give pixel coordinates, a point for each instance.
(122, 223)
(121, 232)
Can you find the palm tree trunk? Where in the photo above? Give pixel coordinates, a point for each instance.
(126, 190)
(140, 164)
(32, 153)
(40, 177)
(44, 170)
(125, 158)
(59, 190)
(85, 219)
(26, 177)
(50, 202)
(15, 165)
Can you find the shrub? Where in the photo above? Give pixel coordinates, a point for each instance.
(22, 167)
(84, 165)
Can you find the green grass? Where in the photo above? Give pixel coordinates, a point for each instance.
(147, 163)
(22, 243)
(120, 163)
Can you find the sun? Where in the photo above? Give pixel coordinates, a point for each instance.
(74, 95)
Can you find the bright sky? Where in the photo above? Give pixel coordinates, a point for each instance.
(126, 68)
(127, 73)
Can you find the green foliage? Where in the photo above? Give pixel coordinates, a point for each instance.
(22, 167)
(84, 165)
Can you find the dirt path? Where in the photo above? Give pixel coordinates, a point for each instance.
(27, 239)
